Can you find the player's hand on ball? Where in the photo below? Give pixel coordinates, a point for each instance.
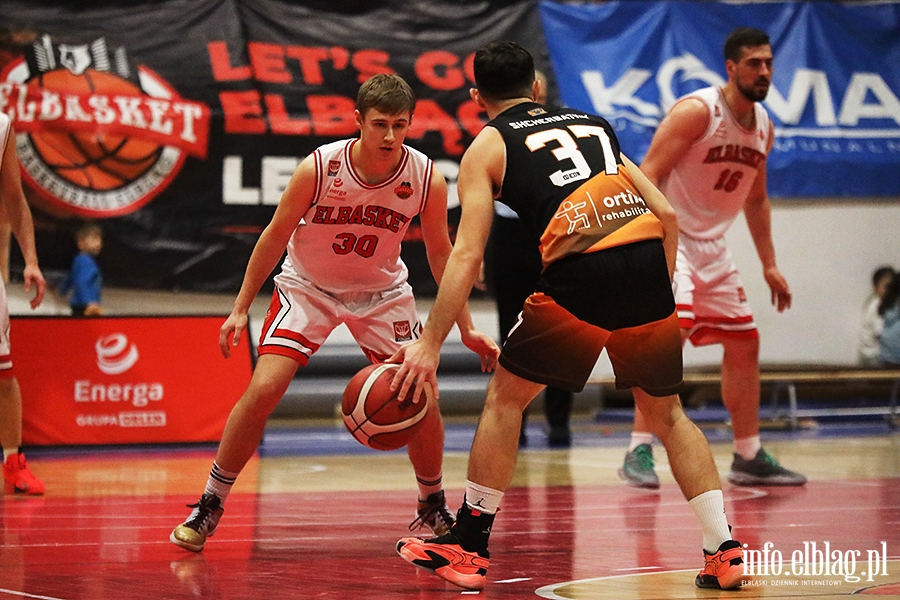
(418, 371)
(374, 415)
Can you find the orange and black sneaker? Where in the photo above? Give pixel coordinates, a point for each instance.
(18, 478)
(444, 557)
(724, 569)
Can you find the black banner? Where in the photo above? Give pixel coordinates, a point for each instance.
(177, 124)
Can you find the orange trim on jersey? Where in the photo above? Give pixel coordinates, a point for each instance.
(644, 227)
(283, 351)
(604, 212)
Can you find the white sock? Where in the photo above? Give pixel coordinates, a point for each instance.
(429, 485)
(638, 438)
(747, 447)
(482, 498)
(220, 482)
(710, 510)
(7, 452)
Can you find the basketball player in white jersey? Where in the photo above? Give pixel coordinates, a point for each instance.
(342, 219)
(17, 477)
(708, 157)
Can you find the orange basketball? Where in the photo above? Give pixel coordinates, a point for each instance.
(95, 161)
(372, 413)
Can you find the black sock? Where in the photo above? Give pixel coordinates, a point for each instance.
(472, 529)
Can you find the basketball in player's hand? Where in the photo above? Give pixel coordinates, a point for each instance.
(372, 413)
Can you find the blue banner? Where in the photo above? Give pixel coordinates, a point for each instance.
(834, 100)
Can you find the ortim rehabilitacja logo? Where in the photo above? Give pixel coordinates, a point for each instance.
(816, 560)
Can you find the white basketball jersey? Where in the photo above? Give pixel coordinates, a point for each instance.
(709, 185)
(349, 240)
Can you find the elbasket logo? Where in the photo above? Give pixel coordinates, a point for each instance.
(97, 136)
(402, 331)
(114, 354)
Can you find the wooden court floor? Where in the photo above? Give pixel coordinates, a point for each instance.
(313, 517)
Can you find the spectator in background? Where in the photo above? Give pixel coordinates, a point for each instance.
(514, 263)
(889, 311)
(17, 477)
(872, 323)
(84, 279)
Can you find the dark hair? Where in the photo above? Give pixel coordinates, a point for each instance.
(744, 37)
(882, 273)
(504, 70)
(891, 296)
(388, 93)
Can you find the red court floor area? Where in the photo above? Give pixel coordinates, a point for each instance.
(324, 526)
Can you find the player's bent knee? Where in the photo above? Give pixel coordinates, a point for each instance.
(507, 391)
(659, 412)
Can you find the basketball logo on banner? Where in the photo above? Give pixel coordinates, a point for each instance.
(97, 136)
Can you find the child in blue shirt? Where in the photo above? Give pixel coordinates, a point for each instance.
(84, 279)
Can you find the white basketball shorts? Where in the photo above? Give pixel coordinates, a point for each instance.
(301, 316)
(709, 293)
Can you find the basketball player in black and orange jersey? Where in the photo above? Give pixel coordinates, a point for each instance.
(608, 239)
(513, 264)
(341, 219)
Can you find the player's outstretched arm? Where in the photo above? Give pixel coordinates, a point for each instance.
(296, 200)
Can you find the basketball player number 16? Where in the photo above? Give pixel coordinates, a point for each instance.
(568, 150)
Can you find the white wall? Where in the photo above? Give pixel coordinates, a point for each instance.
(827, 250)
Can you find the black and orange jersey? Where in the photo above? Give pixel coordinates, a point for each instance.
(565, 178)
